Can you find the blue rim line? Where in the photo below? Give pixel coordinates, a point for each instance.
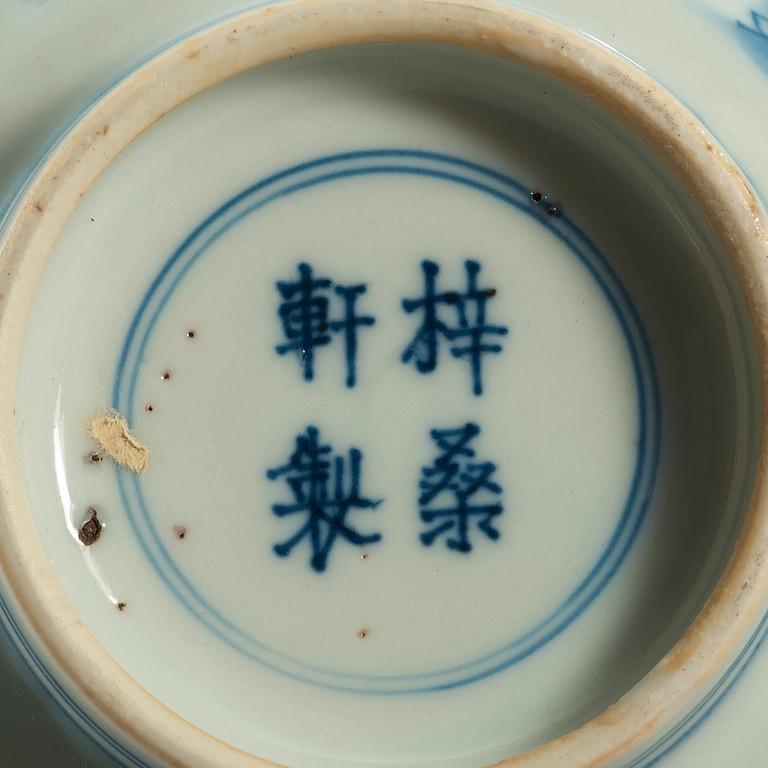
(88, 727)
(95, 734)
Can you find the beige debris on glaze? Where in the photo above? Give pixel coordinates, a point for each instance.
(110, 430)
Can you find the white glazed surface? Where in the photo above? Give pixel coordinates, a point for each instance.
(559, 413)
(84, 223)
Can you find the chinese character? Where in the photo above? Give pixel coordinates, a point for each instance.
(306, 325)
(456, 481)
(317, 481)
(468, 332)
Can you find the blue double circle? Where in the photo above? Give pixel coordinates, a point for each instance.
(439, 168)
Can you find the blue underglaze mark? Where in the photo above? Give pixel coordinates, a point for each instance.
(304, 315)
(452, 475)
(349, 325)
(754, 36)
(319, 494)
(470, 311)
(102, 739)
(437, 168)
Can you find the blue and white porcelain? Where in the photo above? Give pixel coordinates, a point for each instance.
(442, 328)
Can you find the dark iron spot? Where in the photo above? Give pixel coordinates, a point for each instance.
(90, 530)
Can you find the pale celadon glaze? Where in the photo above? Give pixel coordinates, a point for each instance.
(548, 406)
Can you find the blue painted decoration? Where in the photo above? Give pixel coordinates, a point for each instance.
(349, 327)
(304, 316)
(470, 327)
(94, 730)
(754, 35)
(454, 476)
(435, 169)
(759, 25)
(317, 482)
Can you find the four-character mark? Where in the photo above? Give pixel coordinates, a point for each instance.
(457, 493)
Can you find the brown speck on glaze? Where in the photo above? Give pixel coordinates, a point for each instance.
(364, 556)
(149, 407)
(90, 531)
(121, 606)
(103, 131)
(165, 375)
(94, 458)
(363, 633)
(191, 333)
(553, 210)
(536, 197)
(179, 531)
(193, 54)
(539, 49)
(38, 207)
